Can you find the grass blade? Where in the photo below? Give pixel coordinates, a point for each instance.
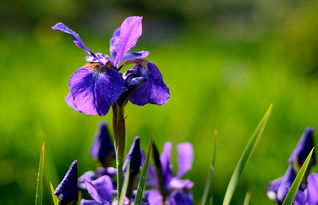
(207, 188)
(247, 198)
(39, 183)
(143, 177)
(54, 198)
(294, 187)
(125, 186)
(247, 153)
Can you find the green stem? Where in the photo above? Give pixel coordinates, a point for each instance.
(120, 138)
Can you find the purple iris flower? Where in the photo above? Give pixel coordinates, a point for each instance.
(67, 190)
(175, 190)
(278, 189)
(103, 148)
(97, 85)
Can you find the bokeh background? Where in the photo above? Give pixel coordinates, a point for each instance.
(224, 61)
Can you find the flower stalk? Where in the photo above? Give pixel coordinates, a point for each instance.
(120, 139)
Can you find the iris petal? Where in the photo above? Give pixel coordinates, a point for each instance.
(185, 158)
(94, 92)
(76, 38)
(130, 31)
(100, 189)
(312, 189)
(304, 146)
(153, 90)
(135, 55)
(103, 146)
(67, 189)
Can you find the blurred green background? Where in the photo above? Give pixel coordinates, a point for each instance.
(224, 61)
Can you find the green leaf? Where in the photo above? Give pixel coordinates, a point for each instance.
(247, 198)
(143, 177)
(39, 183)
(54, 198)
(124, 188)
(246, 155)
(294, 187)
(207, 188)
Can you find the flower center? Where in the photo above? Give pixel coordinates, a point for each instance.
(98, 67)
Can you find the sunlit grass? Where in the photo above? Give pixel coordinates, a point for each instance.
(214, 85)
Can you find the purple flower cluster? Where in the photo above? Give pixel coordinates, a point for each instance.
(101, 185)
(98, 84)
(307, 192)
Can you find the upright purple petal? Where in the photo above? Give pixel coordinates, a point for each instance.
(103, 147)
(185, 158)
(94, 92)
(100, 189)
(303, 148)
(130, 31)
(153, 90)
(312, 189)
(67, 189)
(134, 157)
(114, 42)
(76, 38)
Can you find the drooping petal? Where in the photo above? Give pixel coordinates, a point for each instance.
(87, 176)
(103, 148)
(303, 148)
(185, 158)
(94, 92)
(178, 198)
(135, 55)
(134, 156)
(69, 101)
(100, 189)
(67, 189)
(312, 189)
(76, 38)
(272, 189)
(113, 43)
(153, 90)
(287, 181)
(130, 31)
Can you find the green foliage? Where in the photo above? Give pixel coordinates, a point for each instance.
(214, 83)
(207, 189)
(54, 198)
(125, 185)
(143, 176)
(246, 155)
(39, 181)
